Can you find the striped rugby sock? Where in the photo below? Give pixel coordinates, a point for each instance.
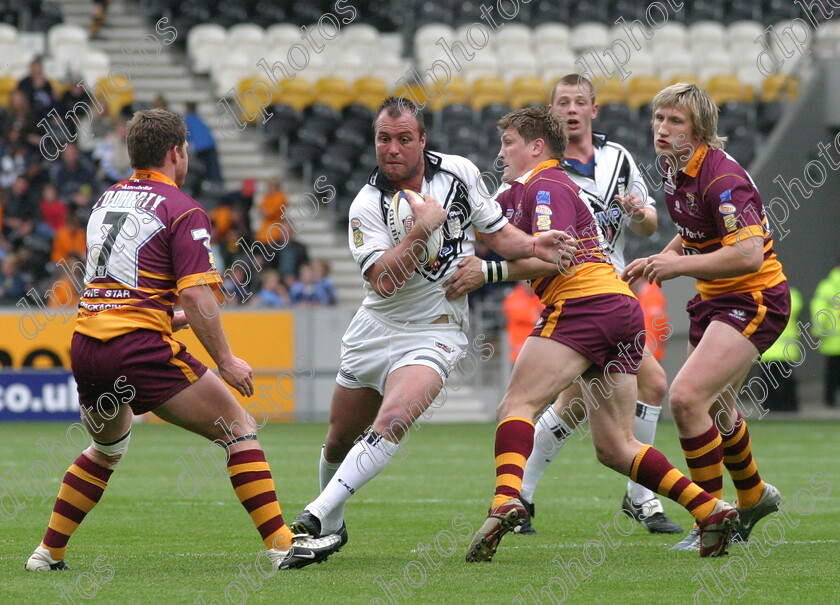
(738, 460)
(651, 469)
(82, 487)
(514, 442)
(704, 456)
(251, 478)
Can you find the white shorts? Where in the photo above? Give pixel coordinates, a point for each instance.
(374, 346)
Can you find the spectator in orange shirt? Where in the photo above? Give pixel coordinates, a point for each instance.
(69, 239)
(64, 293)
(522, 309)
(271, 208)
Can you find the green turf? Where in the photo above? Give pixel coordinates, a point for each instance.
(161, 547)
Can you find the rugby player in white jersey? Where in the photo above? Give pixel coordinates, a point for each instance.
(407, 336)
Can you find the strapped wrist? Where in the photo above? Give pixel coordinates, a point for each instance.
(494, 271)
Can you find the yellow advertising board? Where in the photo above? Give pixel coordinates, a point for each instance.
(264, 339)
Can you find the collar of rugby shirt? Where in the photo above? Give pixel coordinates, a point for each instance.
(152, 175)
(693, 167)
(536, 170)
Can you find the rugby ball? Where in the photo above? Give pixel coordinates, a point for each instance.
(401, 221)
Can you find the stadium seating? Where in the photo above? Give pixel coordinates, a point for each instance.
(202, 40)
(8, 33)
(7, 85)
(589, 35)
(93, 65)
(322, 118)
(455, 91)
(517, 68)
(333, 91)
(517, 35)
(370, 90)
(514, 66)
(487, 90)
(282, 34)
(527, 90)
(550, 33)
(252, 93)
(674, 63)
(297, 93)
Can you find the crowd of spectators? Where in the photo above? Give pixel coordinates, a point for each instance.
(45, 203)
(290, 277)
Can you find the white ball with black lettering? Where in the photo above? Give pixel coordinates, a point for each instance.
(401, 221)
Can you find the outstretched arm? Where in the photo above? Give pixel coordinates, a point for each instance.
(473, 273)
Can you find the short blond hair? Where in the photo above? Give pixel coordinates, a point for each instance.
(699, 106)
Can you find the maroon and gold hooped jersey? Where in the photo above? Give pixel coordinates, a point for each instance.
(147, 241)
(715, 203)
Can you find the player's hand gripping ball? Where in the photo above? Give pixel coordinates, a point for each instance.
(401, 221)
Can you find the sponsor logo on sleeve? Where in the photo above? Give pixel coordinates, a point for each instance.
(730, 222)
(543, 197)
(726, 196)
(728, 212)
(204, 235)
(358, 236)
(543, 212)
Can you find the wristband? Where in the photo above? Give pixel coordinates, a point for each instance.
(494, 271)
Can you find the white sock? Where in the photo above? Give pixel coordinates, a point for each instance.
(326, 470)
(550, 434)
(644, 429)
(363, 462)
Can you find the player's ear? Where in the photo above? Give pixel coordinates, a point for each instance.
(423, 141)
(595, 108)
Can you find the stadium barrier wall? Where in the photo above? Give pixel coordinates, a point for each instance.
(36, 383)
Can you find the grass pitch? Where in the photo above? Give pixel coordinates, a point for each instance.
(148, 543)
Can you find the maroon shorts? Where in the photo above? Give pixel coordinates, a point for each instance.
(143, 368)
(759, 316)
(607, 329)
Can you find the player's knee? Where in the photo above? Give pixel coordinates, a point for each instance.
(393, 425)
(336, 447)
(654, 387)
(609, 455)
(573, 413)
(513, 406)
(683, 404)
(110, 453)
